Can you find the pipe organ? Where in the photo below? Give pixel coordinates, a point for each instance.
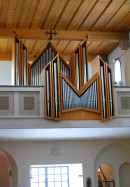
(69, 93)
(39, 64)
(79, 66)
(107, 103)
(20, 63)
(87, 99)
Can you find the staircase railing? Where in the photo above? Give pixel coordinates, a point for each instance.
(106, 183)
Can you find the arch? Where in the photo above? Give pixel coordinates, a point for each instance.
(124, 177)
(105, 175)
(115, 155)
(9, 174)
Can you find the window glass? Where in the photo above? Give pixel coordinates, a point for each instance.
(117, 71)
(56, 175)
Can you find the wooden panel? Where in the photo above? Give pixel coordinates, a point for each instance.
(61, 46)
(124, 24)
(68, 14)
(38, 13)
(71, 47)
(45, 13)
(80, 115)
(39, 46)
(110, 48)
(107, 15)
(101, 48)
(94, 14)
(11, 12)
(31, 14)
(93, 46)
(81, 14)
(24, 14)
(116, 19)
(54, 13)
(18, 12)
(3, 45)
(4, 10)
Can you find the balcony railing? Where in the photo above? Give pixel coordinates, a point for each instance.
(21, 102)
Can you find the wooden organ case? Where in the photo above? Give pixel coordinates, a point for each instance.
(69, 93)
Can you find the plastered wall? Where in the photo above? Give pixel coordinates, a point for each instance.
(124, 57)
(91, 153)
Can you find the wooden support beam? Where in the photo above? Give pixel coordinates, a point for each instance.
(5, 56)
(8, 57)
(39, 34)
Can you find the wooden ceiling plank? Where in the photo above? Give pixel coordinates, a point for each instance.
(62, 45)
(81, 14)
(43, 44)
(3, 45)
(18, 12)
(31, 14)
(110, 48)
(71, 47)
(1, 6)
(38, 13)
(124, 23)
(37, 46)
(4, 10)
(94, 14)
(61, 14)
(89, 43)
(25, 13)
(66, 47)
(11, 13)
(102, 13)
(32, 45)
(102, 47)
(55, 42)
(93, 46)
(68, 13)
(78, 7)
(107, 15)
(9, 46)
(122, 12)
(45, 14)
(54, 14)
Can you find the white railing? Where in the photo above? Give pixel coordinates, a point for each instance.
(122, 101)
(21, 102)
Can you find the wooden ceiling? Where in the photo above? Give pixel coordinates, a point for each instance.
(72, 19)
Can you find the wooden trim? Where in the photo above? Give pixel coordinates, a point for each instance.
(45, 106)
(58, 84)
(79, 109)
(81, 115)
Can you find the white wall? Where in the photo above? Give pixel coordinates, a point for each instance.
(124, 57)
(5, 72)
(78, 151)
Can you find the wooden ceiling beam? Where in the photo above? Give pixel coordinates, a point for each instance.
(39, 34)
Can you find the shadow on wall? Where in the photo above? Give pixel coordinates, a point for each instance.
(8, 170)
(114, 155)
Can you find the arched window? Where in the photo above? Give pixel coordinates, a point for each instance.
(117, 71)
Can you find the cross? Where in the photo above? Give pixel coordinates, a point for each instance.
(51, 33)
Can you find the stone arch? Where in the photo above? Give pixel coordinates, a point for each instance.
(9, 174)
(115, 155)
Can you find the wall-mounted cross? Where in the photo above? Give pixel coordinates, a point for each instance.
(51, 33)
